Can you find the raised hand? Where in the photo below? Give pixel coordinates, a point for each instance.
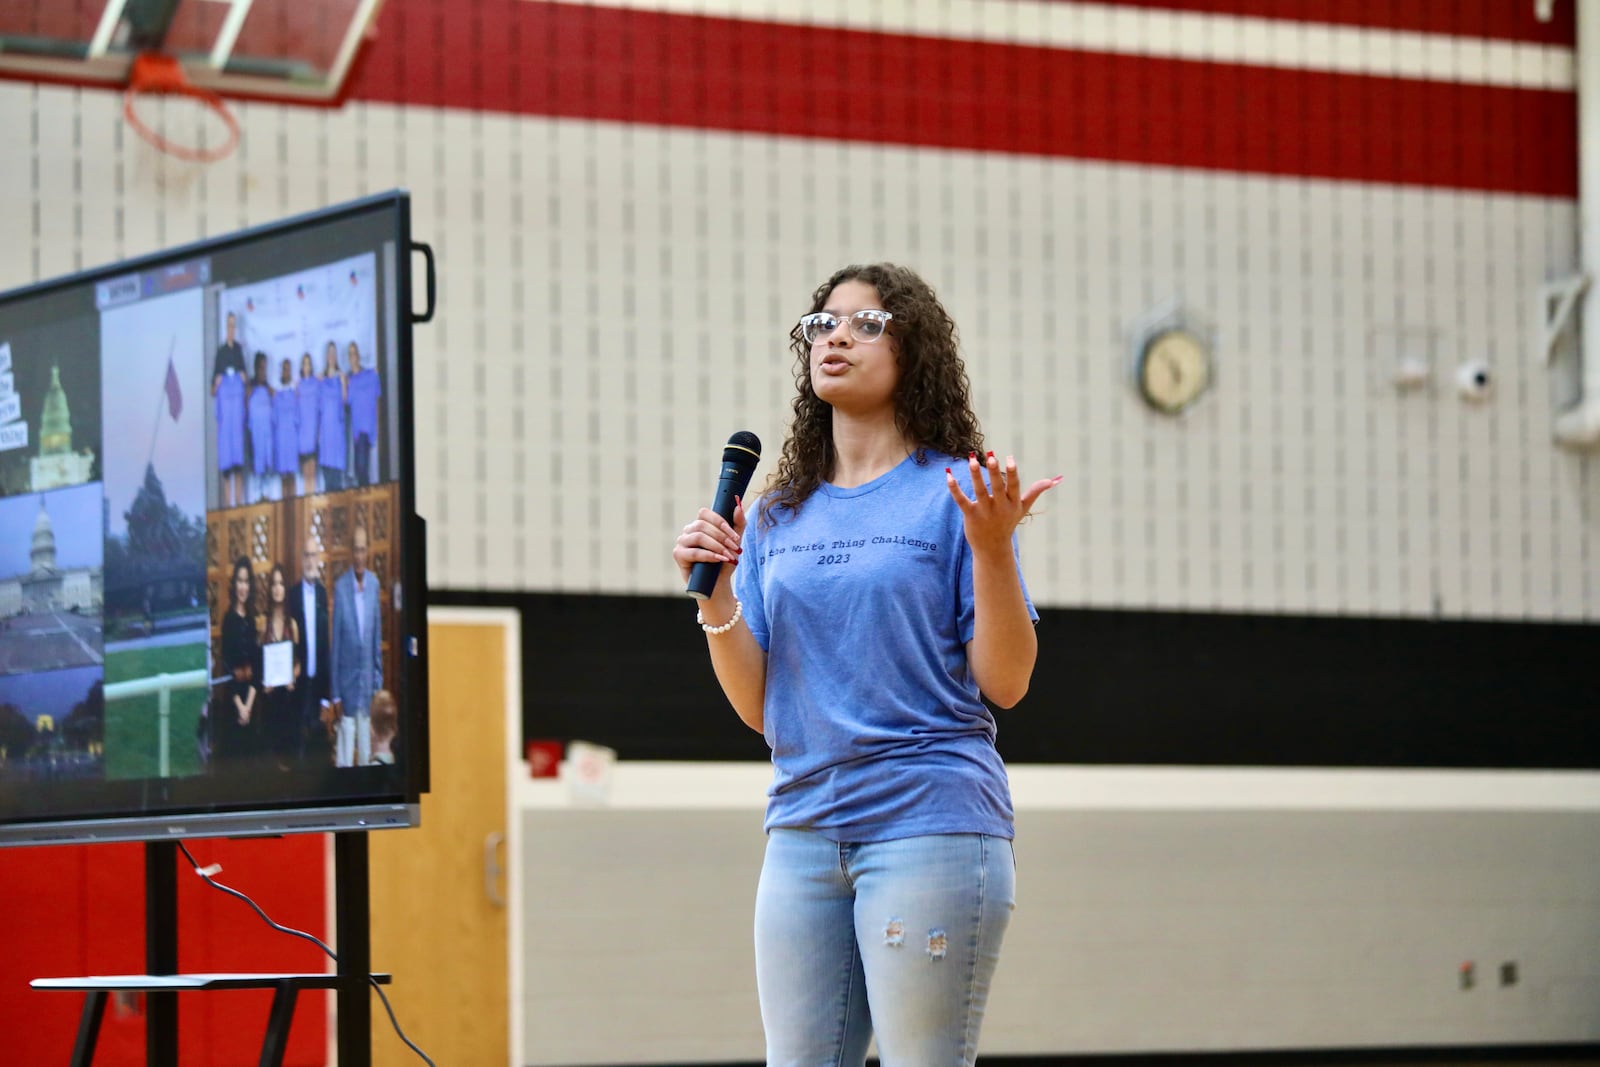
(991, 515)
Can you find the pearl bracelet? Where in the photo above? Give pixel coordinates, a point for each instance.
(738, 612)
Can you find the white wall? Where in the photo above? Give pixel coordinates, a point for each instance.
(1158, 911)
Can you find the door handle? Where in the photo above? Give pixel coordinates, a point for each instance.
(492, 870)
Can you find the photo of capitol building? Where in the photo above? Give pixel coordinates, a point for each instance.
(57, 464)
(47, 587)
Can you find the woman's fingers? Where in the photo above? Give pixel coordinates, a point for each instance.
(981, 489)
(962, 500)
(1038, 489)
(709, 538)
(719, 529)
(1001, 496)
(1002, 478)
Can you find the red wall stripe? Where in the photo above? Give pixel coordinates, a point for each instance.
(1506, 20)
(765, 78)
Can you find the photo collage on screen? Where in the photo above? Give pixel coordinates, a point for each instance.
(199, 569)
(52, 553)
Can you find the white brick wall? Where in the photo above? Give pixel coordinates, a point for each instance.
(613, 303)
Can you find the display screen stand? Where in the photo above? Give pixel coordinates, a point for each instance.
(162, 984)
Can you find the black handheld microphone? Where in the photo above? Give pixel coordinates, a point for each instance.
(739, 461)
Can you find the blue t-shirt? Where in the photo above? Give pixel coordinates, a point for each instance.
(862, 600)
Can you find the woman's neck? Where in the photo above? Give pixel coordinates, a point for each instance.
(865, 449)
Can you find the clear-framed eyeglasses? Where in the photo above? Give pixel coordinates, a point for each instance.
(866, 325)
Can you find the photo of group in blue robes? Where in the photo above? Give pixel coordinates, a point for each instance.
(301, 393)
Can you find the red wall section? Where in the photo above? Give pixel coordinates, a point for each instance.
(612, 64)
(80, 910)
(44, 894)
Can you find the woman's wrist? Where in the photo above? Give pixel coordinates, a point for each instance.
(717, 630)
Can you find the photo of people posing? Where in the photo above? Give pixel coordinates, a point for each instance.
(302, 402)
(305, 599)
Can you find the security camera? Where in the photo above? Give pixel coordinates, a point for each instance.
(1473, 381)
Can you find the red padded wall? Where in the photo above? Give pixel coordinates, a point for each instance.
(79, 909)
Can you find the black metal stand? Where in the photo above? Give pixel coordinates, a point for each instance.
(354, 931)
(160, 952)
(94, 1010)
(162, 982)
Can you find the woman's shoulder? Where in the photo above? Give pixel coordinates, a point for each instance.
(759, 514)
(937, 459)
(922, 472)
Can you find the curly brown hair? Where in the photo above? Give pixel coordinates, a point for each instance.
(932, 401)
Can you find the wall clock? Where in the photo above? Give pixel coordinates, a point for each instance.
(1172, 368)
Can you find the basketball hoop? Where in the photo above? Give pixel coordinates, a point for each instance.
(156, 74)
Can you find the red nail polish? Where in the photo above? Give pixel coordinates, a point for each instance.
(972, 455)
(990, 455)
(947, 471)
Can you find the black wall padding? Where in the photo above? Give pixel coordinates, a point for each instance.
(1121, 687)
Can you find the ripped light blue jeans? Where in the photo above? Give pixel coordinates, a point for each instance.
(894, 938)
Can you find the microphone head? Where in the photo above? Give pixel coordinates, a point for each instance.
(744, 448)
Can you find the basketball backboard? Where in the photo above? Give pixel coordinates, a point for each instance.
(292, 50)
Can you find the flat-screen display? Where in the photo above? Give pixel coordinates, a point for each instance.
(211, 569)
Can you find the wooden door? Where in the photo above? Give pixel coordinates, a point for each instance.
(433, 924)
